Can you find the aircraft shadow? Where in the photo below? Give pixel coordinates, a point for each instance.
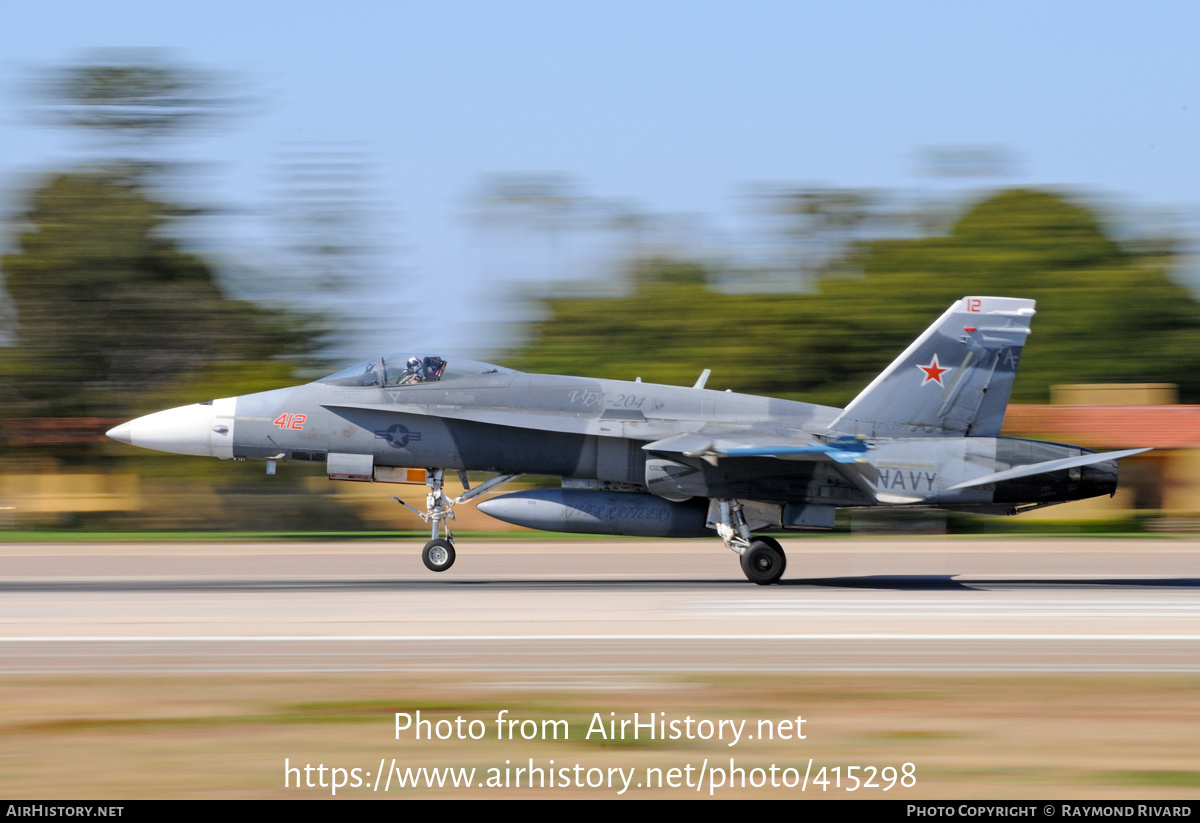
(947, 582)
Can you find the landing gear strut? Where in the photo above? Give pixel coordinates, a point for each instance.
(438, 554)
(763, 559)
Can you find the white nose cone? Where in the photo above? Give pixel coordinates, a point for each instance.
(198, 429)
(123, 433)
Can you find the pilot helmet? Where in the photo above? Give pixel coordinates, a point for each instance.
(434, 366)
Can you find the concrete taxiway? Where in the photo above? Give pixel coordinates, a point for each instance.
(845, 605)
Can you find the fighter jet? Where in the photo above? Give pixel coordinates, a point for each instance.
(664, 461)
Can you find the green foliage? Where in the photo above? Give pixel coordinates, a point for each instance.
(131, 94)
(110, 309)
(1104, 315)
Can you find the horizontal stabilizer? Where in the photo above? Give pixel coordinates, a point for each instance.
(1044, 467)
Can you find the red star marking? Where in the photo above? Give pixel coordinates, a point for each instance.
(933, 372)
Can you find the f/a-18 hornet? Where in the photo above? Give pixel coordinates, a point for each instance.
(665, 461)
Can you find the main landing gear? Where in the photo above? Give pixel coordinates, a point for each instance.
(763, 559)
(438, 554)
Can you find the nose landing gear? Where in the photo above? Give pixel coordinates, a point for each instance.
(438, 554)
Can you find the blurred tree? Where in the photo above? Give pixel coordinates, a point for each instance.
(546, 202)
(131, 101)
(1105, 315)
(112, 315)
(336, 247)
(110, 308)
(548, 205)
(807, 228)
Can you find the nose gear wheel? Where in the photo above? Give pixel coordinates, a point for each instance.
(438, 554)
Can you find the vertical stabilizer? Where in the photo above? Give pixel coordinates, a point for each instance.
(955, 379)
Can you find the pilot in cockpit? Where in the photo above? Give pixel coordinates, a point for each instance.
(416, 370)
(432, 368)
(412, 372)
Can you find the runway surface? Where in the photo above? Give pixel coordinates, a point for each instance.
(845, 605)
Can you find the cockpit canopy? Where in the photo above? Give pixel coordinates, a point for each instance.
(409, 369)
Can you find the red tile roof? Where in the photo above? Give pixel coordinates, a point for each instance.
(41, 432)
(1162, 427)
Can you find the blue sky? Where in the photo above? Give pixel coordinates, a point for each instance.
(673, 107)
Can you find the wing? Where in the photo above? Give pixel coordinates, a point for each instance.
(847, 455)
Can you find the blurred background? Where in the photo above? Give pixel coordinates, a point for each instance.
(206, 202)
